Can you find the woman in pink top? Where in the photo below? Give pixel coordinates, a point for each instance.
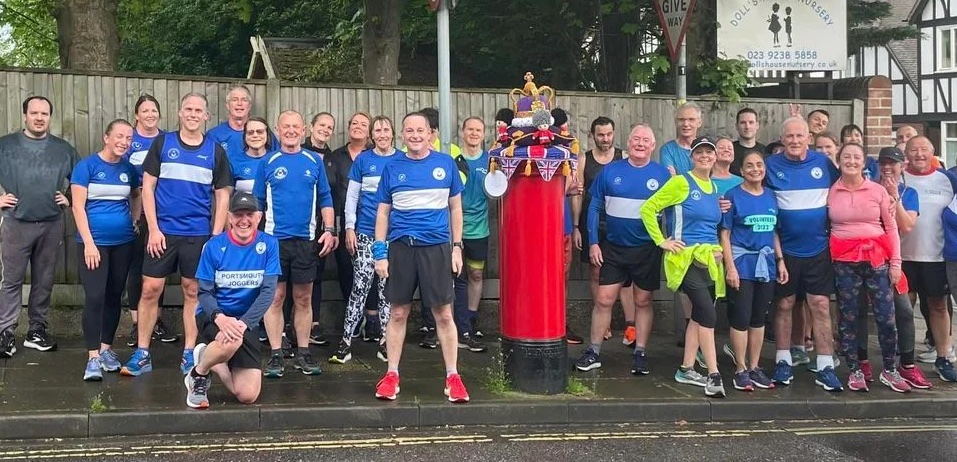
(865, 248)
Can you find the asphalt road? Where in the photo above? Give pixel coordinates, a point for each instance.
(778, 441)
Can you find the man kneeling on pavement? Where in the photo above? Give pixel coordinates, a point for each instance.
(237, 274)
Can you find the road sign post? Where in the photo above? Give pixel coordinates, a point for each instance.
(674, 17)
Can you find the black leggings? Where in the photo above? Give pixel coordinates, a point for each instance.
(750, 303)
(699, 288)
(103, 288)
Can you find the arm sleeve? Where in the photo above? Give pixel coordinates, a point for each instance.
(352, 203)
(151, 164)
(222, 172)
(595, 207)
(255, 313)
(80, 176)
(667, 157)
(910, 201)
(134, 177)
(674, 192)
(727, 218)
(207, 298)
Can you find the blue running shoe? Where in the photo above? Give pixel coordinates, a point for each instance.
(828, 380)
(109, 361)
(589, 360)
(782, 373)
(187, 362)
(945, 369)
(140, 363)
(639, 363)
(93, 372)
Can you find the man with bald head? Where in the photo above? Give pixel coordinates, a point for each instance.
(904, 134)
(293, 189)
(800, 179)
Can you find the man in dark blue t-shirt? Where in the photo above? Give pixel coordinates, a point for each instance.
(238, 272)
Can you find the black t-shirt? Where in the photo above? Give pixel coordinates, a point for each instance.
(338, 164)
(739, 156)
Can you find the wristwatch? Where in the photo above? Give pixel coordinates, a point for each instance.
(458, 244)
(329, 229)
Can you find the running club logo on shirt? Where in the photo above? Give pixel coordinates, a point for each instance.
(438, 173)
(372, 168)
(173, 153)
(124, 178)
(247, 171)
(101, 175)
(137, 145)
(261, 248)
(817, 173)
(696, 195)
(617, 180)
(281, 173)
(652, 184)
(780, 175)
(402, 177)
(224, 144)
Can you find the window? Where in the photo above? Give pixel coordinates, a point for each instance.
(946, 39)
(948, 134)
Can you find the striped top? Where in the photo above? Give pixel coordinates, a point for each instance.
(108, 189)
(619, 192)
(364, 175)
(801, 187)
(419, 191)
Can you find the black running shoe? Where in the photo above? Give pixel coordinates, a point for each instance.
(162, 334)
(316, 337)
(383, 353)
(307, 364)
(357, 332)
(429, 340)
(572, 338)
(343, 354)
(134, 335)
(372, 332)
(8, 344)
(476, 332)
(471, 343)
(39, 339)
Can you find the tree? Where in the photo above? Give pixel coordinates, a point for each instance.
(28, 36)
(87, 36)
(380, 42)
(864, 31)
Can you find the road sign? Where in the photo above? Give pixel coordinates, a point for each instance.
(674, 15)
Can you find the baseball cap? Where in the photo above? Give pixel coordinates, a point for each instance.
(891, 153)
(243, 202)
(702, 141)
(772, 146)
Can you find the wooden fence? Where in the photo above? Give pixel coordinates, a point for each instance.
(85, 103)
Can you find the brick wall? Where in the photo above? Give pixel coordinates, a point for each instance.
(878, 128)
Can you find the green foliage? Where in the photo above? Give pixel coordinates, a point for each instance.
(645, 70)
(727, 78)
(863, 30)
(493, 378)
(97, 404)
(577, 387)
(28, 34)
(337, 61)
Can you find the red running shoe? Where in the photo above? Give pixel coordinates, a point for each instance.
(866, 369)
(914, 377)
(388, 387)
(455, 389)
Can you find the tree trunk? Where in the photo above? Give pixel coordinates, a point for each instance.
(86, 32)
(616, 55)
(380, 42)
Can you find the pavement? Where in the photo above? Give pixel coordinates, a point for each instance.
(43, 396)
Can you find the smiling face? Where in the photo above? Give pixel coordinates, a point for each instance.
(826, 145)
(919, 152)
(382, 135)
(255, 135)
(703, 158)
(891, 168)
(725, 151)
(117, 141)
(794, 135)
(416, 133)
(753, 169)
(238, 103)
(851, 161)
(853, 135)
(641, 143)
(687, 122)
(244, 223)
(817, 122)
(148, 115)
(472, 133)
(290, 130)
(37, 118)
(359, 128)
(193, 114)
(321, 131)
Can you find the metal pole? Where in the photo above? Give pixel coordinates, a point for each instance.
(445, 90)
(681, 84)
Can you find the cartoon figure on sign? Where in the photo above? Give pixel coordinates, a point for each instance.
(775, 24)
(787, 24)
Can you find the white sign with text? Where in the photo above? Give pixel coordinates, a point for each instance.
(784, 35)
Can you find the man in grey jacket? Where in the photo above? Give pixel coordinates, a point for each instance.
(35, 169)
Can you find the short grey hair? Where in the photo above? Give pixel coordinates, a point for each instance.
(792, 120)
(690, 105)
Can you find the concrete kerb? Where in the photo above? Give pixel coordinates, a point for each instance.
(277, 418)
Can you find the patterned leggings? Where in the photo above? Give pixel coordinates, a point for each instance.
(364, 274)
(849, 278)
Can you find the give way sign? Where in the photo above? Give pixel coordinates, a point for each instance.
(673, 15)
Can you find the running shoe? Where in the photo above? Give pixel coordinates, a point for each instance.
(287, 349)
(690, 377)
(140, 363)
(383, 353)
(782, 373)
(372, 332)
(812, 366)
(429, 340)
(714, 388)
(196, 388)
(472, 344)
(827, 379)
(187, 362)
(109, 361)
(40, 340)
(855, 381)
(8, 344)
(760, 379)
(945, 370)
(639, 363)
(915, 378)
(388, 387)
(570, 337)
(93, 371)
(799, 357)
(930, 356)
(274, 367)
(455, 389)
(894, 381)
(357, 332)
(589, 360)
(343, 354)
(316, 337)
(699, 357)
(307, 365)
(742, 381)
(729, 352)
(866, 370)
(134, 334)
(476, 332)
(162, 334)
(629, 336)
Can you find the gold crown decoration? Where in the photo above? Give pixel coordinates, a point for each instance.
(530, 97)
